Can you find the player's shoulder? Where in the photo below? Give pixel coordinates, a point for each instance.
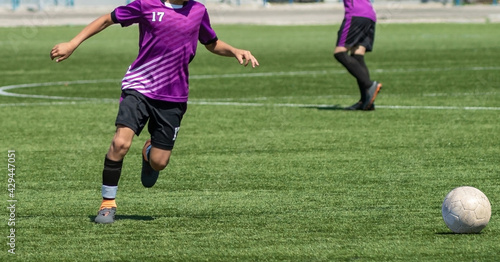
(195, 3)
(157, 3)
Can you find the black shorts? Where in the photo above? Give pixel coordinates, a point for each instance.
(164, 117)
(356, 31)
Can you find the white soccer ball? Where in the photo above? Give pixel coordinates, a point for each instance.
(466, 210)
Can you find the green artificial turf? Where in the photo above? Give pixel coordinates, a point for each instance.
(265, 168)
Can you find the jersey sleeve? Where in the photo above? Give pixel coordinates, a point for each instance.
(207, 34)
(128, 14)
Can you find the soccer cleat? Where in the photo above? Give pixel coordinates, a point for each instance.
(371, 94)
(106, 215)
(359, 106)
(148, 174)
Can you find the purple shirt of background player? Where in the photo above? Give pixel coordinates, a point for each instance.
(361, 8)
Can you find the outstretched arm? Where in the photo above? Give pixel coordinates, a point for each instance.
(244, 57)
(63, 50)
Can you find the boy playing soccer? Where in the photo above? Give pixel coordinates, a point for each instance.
(355, 38)
(155, 87)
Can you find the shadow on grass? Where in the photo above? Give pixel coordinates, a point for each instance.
(445, 233)
(134, 217)
(458, 234)
(325, 107)
(338, 107)
(127, 217)
(334, 107)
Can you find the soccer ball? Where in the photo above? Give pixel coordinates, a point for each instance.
(466, 210)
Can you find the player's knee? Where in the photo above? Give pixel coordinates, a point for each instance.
(158, 164)
(158, 159)
(120, 145)
(340, 56)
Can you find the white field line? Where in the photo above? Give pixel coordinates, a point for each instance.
(320, 106)
(3, 90)
(101, 101)
(443, 107)
(214, 103)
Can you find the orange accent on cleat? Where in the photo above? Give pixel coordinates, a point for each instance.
(371, 94)
(379, 86)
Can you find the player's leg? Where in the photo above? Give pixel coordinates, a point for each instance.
(163, 126)
(111, 173)
(357, 68)
(348, 38)
(351, 64)
(153, 161)
(159, 158)
(354, 63)
(131, 119)
(355, 38)
(122, 140)
(368, 89)
(366, 40)
(358, 53)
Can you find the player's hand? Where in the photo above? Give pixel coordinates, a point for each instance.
(61, 51)
(244, 57)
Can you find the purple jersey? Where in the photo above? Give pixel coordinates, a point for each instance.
(361, 8)
(167, 43)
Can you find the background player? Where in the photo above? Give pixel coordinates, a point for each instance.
(355, 37)
(155, 87)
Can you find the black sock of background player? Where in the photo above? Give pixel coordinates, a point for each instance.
(356, 66)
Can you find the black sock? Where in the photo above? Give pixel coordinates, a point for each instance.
(365, 82)
(356, 66)
(111, 173)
